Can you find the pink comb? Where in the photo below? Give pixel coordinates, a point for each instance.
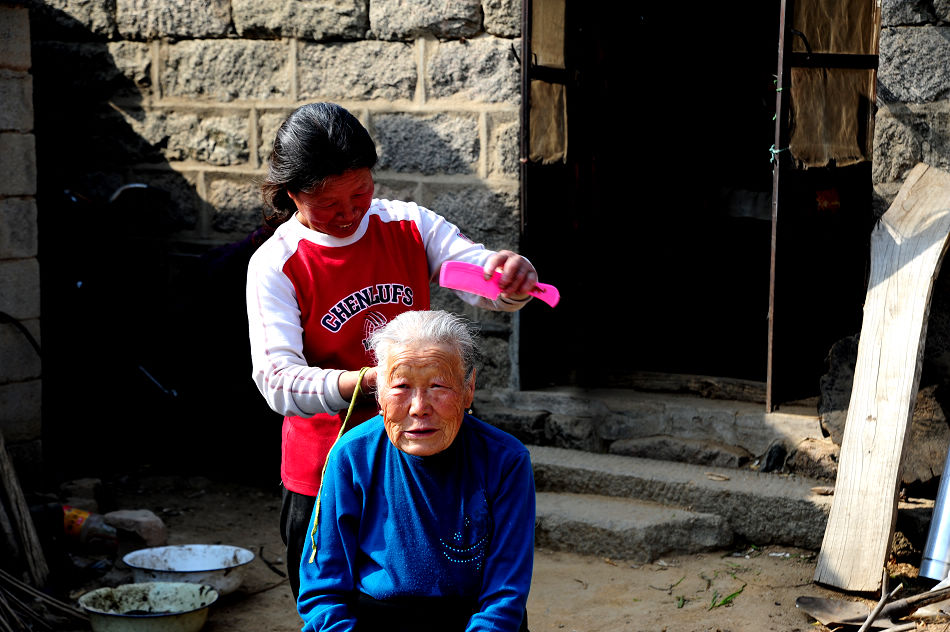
(469, 277)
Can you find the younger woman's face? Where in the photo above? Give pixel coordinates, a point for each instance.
(337, 206)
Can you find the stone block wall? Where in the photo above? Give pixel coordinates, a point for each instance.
(186, 96)
(913, 117)
(20, 365)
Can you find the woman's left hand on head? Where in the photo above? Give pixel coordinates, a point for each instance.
(518, 276)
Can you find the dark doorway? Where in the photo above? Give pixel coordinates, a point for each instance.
(657, 226)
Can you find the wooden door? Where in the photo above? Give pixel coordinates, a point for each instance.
(821, 199)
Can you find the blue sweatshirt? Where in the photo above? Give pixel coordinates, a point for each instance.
(459, 523)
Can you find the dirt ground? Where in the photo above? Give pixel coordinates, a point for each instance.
(752, 589)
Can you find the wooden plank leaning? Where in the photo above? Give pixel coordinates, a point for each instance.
(907, 247)
(13, 503)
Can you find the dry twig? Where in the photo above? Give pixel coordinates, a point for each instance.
(10, 584)
(885, 597)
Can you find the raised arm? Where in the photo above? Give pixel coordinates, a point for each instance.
(445, 242)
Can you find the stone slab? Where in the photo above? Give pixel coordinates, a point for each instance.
(617, 414)
(623, 528)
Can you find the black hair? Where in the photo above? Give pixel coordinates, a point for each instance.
(316, 141)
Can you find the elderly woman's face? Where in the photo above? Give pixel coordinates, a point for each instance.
(423, 397)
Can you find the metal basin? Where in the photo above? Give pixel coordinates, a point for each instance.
(217, 565)
(149, 607)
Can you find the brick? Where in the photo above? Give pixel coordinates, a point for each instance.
(14, 38)
(18, 231)
(913, 61)
(72, 19)
(504, 147)
(439, 143)
(21, 361)
(20, 408)
(185, 19)
(910, 133)
(268, 124)
(133, 61)
(906, 12)
(16, 95)
(226, 70)
(20, 288)
(17, 164)
(502, 17)
(357, 70)
(484, 69)
(90, 71)
(302, 19)
(441, 18)
(237, 204)
(190, 135)
(488, 216)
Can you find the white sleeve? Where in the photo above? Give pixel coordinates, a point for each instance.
(278, 366)
(445, 242)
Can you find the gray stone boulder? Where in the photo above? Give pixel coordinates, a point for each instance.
(913, 62)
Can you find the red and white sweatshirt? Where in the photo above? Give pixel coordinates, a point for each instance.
(313, 300)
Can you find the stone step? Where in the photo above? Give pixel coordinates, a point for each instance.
(627, 422)
(624, 528)
(756, 507)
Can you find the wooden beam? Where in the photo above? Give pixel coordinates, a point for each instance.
(14, 504)
(907, 247)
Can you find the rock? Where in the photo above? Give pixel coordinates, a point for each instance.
(141, 522)
(775, 457)
(912, 60)
(835, 387)
(929, 436)
(903, 549)
(815, 458)
(906, 12)
(525, 425)
(926, 448)
(914, 516)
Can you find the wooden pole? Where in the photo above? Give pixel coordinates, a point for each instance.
(21, 520)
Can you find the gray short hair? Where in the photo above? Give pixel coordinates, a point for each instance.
(421, 328)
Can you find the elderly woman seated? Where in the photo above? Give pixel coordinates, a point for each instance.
(425, 519)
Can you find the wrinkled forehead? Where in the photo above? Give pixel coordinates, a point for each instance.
(416, 360)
